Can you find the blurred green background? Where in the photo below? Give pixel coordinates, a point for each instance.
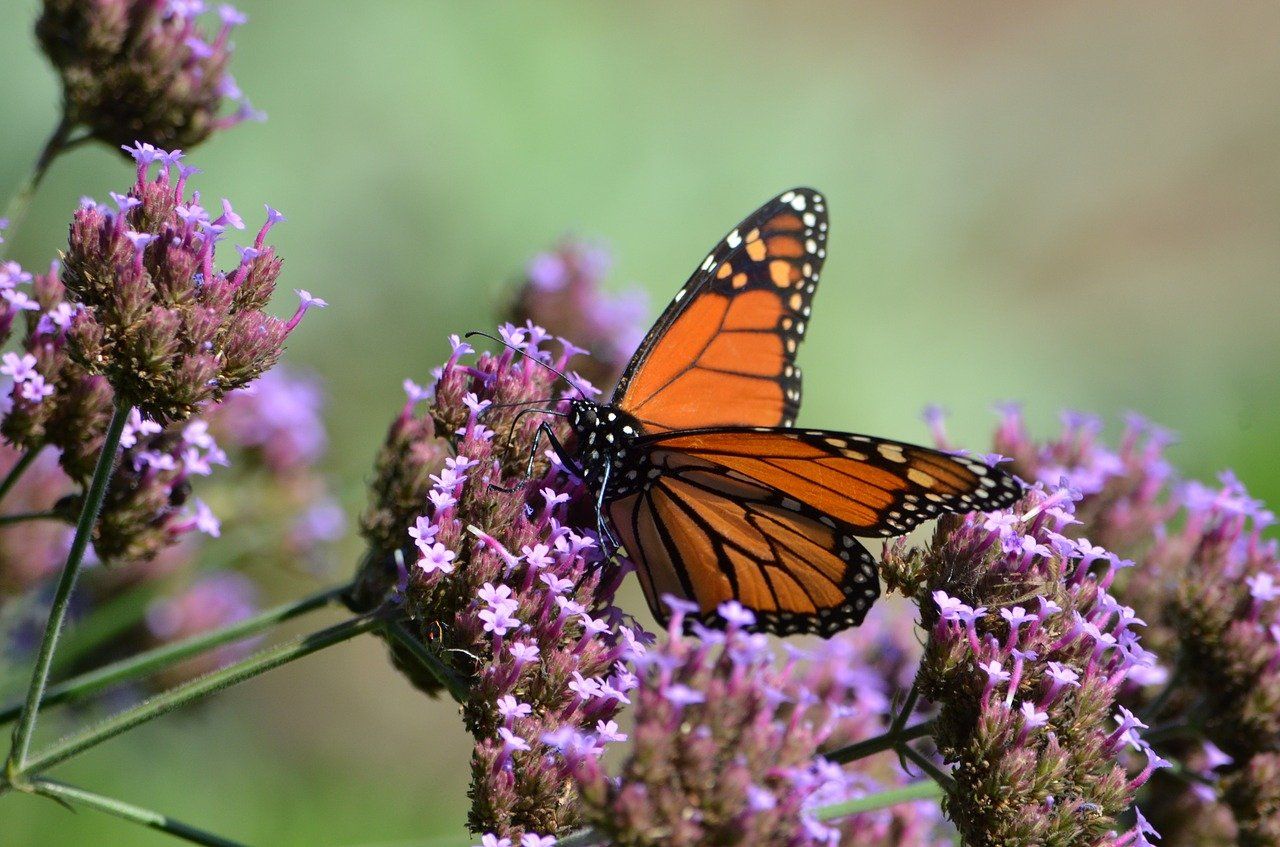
(1075, 205)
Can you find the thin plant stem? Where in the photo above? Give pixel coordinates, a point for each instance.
(62, 594)
(431, 662)
(20, 517)
(925, 789)
(198, 688)
(908, 706)
(15, 473)
(154, 820)
(147, 663)
(935, 773)
(879, 743)
(58, 142)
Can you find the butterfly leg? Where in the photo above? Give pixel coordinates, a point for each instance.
(543, 429)
(602, 527)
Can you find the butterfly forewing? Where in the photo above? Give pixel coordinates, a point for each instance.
(723, 353)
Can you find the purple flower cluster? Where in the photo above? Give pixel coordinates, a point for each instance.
(726, 746)
(500, 586)
(168, 329)
(1206, 581)
(1026, 655)
(147, 506)
(563, 290)
(1125, 492)
(144, 68)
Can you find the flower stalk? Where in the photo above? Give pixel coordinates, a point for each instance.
(59, 141)
(210, 683)
(67, 794)
(147, 663)
(16, 763)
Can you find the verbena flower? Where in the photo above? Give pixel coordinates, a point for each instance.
(1205, 582)
(169, 329)
(504, 587)
(1026, 654)
(725, 748)
(563, 291)
(144, 68)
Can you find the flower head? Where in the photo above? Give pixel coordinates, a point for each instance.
(168, 329)
(1025, 697)
(512, 596)
(135, 68)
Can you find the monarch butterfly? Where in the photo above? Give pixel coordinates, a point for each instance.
(699, 474)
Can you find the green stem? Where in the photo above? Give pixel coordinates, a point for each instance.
(59, 141)
(70, 794)
(62, 594)
(925, 789)
(20, 517)
(908, 706)
(210, 683)
(151, 661)
(438, 669)
(879, 743)
(935, 773)
(15, 473)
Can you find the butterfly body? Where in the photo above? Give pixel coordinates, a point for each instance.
(607, 438)
(700, 476)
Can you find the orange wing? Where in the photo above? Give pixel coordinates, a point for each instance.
(723, 353)
(876, 487)
(707, 535)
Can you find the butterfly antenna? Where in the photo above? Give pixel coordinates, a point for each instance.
(513, 405)
(533, 359)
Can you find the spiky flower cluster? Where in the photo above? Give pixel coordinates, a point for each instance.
(1026, 655)
(143, 68)
(563, 290)
(502, 589)
(726, 746)
(1206, 580)
(158, 318)
(55, 402)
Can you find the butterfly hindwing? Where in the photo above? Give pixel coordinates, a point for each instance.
(723, 353)
(709, 535)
